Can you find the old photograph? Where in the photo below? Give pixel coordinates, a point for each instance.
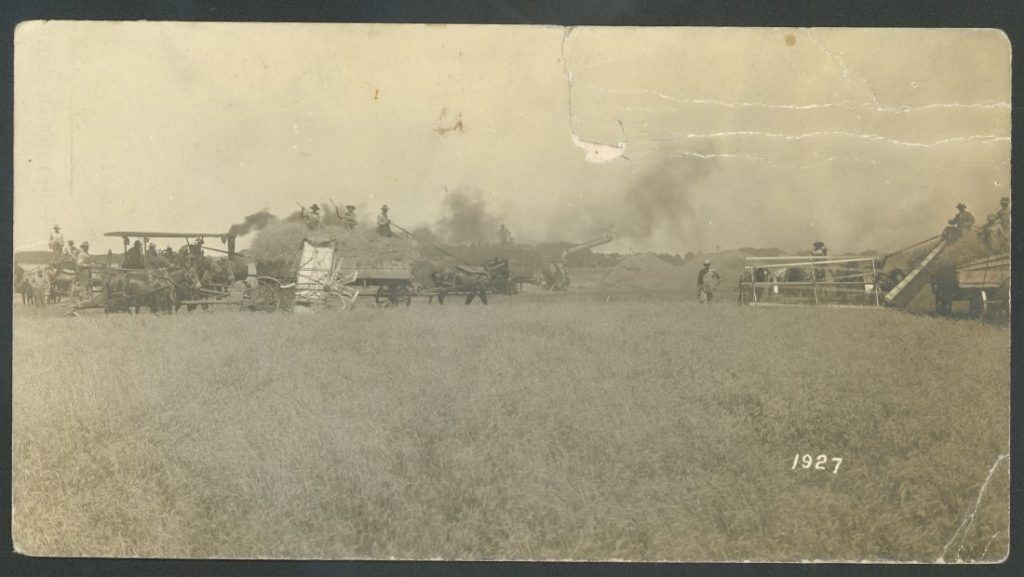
(482, 292)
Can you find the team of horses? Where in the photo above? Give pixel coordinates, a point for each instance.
(164, 290)
(475, 281)
(119, 289)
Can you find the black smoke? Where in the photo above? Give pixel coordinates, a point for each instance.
(465, 219)
(253, 222)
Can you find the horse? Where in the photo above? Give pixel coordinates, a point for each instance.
(137, 288)
(62, 282)
(474, 279)
(764, 277)
(39, 286)
(21, 284)
(186, 286)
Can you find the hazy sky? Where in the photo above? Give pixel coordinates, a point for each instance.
(680, 138)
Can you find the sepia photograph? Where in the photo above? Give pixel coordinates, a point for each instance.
(511, 292)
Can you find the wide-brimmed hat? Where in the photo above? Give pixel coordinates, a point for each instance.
(350, 207)
(385, 207)
(199, 241)
(315, 207)
(706, 261)
(56, 227)
(961, 205)
(85, 244)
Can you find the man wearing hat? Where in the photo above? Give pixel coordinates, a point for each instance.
(1004, 213)
(56, 243)
(133, 258)
(313, 216)
(348, 220)
(384, 222)
(83, 271)
(959, 224)
(707, 282)
(819, 249)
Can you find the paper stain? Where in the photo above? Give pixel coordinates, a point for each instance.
(599, 153)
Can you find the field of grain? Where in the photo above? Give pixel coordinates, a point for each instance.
(540, 427)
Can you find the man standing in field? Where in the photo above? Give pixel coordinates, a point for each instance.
(707, 282)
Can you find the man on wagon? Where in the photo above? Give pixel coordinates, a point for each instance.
(70, 254)
(384, 222)
(133, 258)
(83, 271)
(707, 282)
(56, 243)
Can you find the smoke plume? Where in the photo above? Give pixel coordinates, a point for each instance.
(253, 222)
(465, 219)
(660, 203)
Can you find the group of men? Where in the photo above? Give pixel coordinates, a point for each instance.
(62, 252)
(995, 233)
(69, 256)
(348, 219)
(314, 219)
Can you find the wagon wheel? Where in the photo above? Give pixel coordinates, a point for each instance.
(393, 295)
(262, 298)
(403, 294)
(330, 301)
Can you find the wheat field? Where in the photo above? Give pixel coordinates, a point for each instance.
(580, 427)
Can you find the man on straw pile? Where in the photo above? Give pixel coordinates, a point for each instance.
(504, 235)
(313, 216)
(959, 224)
(707, 282)
(1004, 213)
(384, 222)
(348, 220)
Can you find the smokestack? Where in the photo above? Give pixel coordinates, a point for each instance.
(231, 246)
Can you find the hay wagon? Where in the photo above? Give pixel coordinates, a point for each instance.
(389, 281)
(984, 283)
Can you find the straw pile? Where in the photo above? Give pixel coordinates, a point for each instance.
(957, 254)
(276, 249)
(642, 273)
